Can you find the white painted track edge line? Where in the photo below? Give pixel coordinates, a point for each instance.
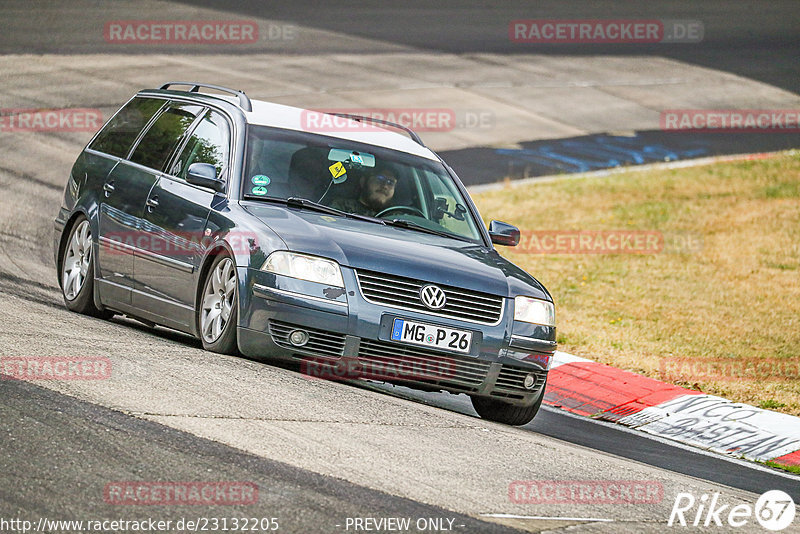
(514, 516)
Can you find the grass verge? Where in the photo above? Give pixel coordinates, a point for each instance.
(716, 308)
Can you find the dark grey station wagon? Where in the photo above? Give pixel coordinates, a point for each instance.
(355, 251)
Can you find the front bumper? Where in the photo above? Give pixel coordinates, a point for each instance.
(349, 337)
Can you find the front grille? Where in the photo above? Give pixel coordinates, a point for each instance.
(403, 292)
(511, 381)
(320, 343)
(422, 365)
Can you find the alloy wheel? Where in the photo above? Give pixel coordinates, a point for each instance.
(218, 300)
(78, 255)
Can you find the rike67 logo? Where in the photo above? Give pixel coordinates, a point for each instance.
(774, 510)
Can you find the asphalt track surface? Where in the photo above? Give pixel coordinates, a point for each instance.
(606, 437)
(601, 89)
(60, 453)
(759, 44)
(761, 41)
(319, 451)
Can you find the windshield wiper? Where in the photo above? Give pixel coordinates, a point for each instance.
(298, 202)
(411, 225)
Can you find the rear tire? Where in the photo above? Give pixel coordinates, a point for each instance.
(503, 412)
(217, 311)
(76, 271)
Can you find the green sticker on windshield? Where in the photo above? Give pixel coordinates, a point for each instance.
(260, 179)
(259, 190)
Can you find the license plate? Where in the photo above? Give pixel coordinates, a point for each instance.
(428, 335)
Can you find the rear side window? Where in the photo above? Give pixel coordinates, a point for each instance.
(163, 136)
(208, 143)
(118, 135)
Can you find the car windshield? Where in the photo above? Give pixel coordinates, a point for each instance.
(356, 178)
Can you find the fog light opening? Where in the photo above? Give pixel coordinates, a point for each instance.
(298, 338)
(529, 382)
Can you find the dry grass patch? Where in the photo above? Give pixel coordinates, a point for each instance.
(730, 308)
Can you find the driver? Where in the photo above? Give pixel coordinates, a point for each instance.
(376, 192)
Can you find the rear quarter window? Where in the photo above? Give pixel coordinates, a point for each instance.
(118, 135)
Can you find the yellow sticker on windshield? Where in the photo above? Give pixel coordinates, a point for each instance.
(337, 169)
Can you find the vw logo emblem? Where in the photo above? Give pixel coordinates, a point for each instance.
(433, 297)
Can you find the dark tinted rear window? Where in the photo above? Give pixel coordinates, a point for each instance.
(164, 135)
(118, 135)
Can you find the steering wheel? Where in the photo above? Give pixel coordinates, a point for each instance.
(410, 209)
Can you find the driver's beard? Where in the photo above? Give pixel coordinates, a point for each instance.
(373, 202)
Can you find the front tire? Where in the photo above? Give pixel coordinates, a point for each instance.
(76, 271)
(218, 310)
(503, 412)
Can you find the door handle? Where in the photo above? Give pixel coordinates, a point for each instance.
(152, 203)
(108, 187)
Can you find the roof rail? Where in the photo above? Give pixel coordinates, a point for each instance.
(244, 100)
(360, 118)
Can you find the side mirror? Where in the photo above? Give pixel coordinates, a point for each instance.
(205, 175)
(503, 234)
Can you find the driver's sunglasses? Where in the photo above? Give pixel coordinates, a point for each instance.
(388, 180)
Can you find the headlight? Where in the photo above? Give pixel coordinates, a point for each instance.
(304, 267)
(530, 310)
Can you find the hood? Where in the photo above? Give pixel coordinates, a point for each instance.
(398, 251)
